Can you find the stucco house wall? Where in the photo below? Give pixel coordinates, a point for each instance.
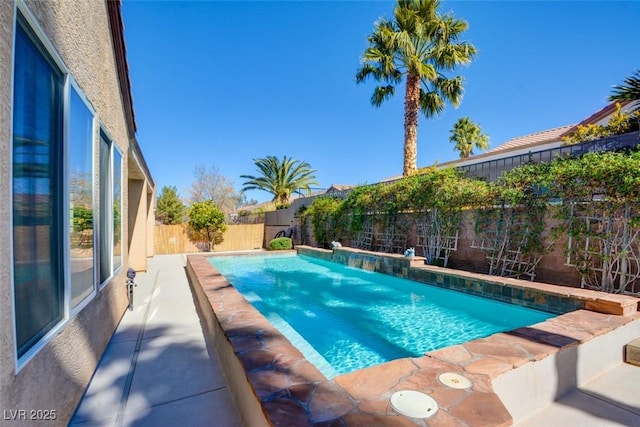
(54, 378)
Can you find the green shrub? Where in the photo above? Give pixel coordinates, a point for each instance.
(280, 244)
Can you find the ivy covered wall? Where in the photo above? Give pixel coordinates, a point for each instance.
(585, 211)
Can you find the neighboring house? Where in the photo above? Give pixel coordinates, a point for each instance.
(338, 189)
(534, 147)
(76, 199)
(333, 188)
(523, 144)
(493, 163)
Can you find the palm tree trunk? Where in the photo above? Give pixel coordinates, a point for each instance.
(411, 110)
(281, 199)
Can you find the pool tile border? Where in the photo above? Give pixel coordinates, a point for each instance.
(541, 296)
(273, 384)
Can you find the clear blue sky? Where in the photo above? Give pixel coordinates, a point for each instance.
(223, 82)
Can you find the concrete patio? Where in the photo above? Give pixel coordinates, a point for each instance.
(156, 370)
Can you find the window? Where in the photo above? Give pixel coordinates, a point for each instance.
(110, 208)
(81, 199)
(117, 210)
(37, 191)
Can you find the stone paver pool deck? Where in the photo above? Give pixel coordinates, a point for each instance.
(273, 384)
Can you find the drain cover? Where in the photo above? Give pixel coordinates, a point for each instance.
(454, 380)
(413, 404)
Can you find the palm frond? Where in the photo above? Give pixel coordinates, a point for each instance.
(427, 71)
(467, 135)
(448, 56)
(629, 91)
(451, 90)
(431, 103)
(381, 94)
(280, 177)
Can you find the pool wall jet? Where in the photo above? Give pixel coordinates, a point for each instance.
(273, 384)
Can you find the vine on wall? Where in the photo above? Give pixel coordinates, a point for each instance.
(600, 214)
(513, 239)
(363, 238)
(512, 231)
(441, 198)
(383, 216)
(603, 246)
(324, 219)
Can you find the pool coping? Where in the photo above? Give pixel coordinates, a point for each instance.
(273, 384)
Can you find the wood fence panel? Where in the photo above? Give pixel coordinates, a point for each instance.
(172, 239)
(240, 237)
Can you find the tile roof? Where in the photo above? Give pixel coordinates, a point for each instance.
(340, 187)
(556, 134)
(549, 135)
(604, 112)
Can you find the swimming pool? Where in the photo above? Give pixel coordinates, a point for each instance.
(343, 319)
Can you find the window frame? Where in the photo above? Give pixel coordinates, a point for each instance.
(114, 149)
(108, 231)
(33, 29)
(73, 85)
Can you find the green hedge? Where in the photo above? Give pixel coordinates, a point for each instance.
(280, 244)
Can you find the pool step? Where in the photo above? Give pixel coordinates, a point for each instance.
(632, 352)
(608, 400)
(570, 370)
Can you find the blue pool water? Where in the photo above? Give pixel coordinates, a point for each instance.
(343, 319)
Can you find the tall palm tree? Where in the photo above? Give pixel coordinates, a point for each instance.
(467, 135)
(629, 91)
(281, 178)
(422, 45)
